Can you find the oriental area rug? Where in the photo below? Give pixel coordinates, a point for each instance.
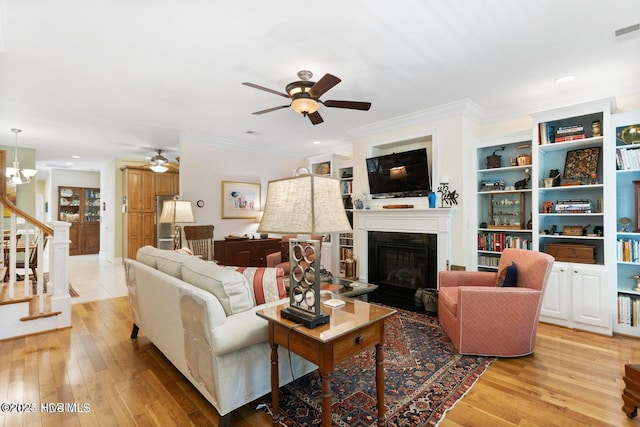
(424, 377)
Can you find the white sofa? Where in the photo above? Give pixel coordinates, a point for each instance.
(201, 316)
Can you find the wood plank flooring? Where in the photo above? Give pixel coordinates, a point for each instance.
(573, 379)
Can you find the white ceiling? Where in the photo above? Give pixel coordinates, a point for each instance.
(108, 79)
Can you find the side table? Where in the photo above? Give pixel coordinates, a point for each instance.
(352, 328)
(631, 393)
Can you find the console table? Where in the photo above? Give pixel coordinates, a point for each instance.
(353, 328)
(245, 253)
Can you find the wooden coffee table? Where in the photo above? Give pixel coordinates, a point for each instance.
(352, 328)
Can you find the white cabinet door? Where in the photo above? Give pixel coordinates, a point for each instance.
(590, 297)
(557, 297)
(576, 297)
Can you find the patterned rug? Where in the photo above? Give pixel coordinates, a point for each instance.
(424, 377)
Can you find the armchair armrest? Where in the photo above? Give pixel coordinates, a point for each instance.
(498, 320)
(467, 278)
(274, 259)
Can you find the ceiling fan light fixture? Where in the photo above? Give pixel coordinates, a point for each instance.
(304, 105)
(158, 168)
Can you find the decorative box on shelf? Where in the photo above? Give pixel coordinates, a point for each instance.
(572, 252)
(492, 184)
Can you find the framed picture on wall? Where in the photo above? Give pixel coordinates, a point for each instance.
(240, 200)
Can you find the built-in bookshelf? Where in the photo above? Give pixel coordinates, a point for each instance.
(345, 244)
(503, 197)
(574, 163)
(627, 181)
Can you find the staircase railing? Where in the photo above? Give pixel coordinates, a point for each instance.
(32, 239)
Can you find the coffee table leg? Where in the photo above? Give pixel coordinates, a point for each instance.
(275, 385)
(380, 384)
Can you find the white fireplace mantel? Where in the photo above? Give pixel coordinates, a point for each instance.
(428, 221)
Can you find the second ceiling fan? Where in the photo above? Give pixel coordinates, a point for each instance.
(305, 96)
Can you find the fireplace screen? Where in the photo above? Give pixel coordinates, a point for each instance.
(402, 260)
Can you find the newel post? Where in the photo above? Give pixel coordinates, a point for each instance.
(58, 271)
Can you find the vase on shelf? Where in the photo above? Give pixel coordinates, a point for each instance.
(358, 204)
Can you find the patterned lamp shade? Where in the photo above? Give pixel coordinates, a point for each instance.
(307, 204)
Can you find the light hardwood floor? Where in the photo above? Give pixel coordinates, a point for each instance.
(573, 379)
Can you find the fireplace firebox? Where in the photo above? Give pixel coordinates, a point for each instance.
(400, 264)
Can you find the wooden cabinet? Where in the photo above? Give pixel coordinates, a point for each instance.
(81, 207)
(167, 184)
(140, 188)
(138, 226)
(245, 253)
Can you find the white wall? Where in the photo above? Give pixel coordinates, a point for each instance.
(204, 166)
(68, 178)
(451, 129)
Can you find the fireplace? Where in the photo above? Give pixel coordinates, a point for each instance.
(400, 264)
(416, 268)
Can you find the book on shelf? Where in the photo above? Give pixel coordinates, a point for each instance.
(565, 138)
(628, 157)
(628, 309)
(570, 130)
(497, 242)
(628, 250)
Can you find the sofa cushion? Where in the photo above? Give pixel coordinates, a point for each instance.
(170, 262)
(268, 283)
(230, 287)
(148, 255)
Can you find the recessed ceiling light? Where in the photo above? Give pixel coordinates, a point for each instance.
(565, 79)
(75, 157)
(69, 164)
(317, 142)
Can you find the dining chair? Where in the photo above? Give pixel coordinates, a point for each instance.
(200, 240)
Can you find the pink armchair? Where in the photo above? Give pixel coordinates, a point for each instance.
(281, 259)
(484, 319)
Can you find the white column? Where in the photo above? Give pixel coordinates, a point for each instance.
(58, 271)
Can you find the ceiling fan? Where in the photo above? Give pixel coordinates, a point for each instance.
(160, 163)
(304, 95)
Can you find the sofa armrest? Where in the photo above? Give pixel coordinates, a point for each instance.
(467, 278)
(274, 259)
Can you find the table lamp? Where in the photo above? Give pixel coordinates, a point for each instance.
(177, 212)
(305, 204)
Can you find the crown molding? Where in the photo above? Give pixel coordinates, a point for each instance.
(465, 108)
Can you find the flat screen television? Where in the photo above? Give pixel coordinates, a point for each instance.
(404, 174)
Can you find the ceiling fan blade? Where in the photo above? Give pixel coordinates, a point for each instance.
(352, 105)
(315, 118)
(255, 86)
(268, 110)
(324, 84)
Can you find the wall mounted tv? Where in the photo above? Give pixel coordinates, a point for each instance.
(404, 174)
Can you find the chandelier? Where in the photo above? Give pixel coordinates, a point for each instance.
(15, 174)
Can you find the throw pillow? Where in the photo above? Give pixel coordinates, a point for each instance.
(230, 287)
(508, 277)
(268, 283)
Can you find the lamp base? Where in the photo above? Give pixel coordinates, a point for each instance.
(309, 321)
